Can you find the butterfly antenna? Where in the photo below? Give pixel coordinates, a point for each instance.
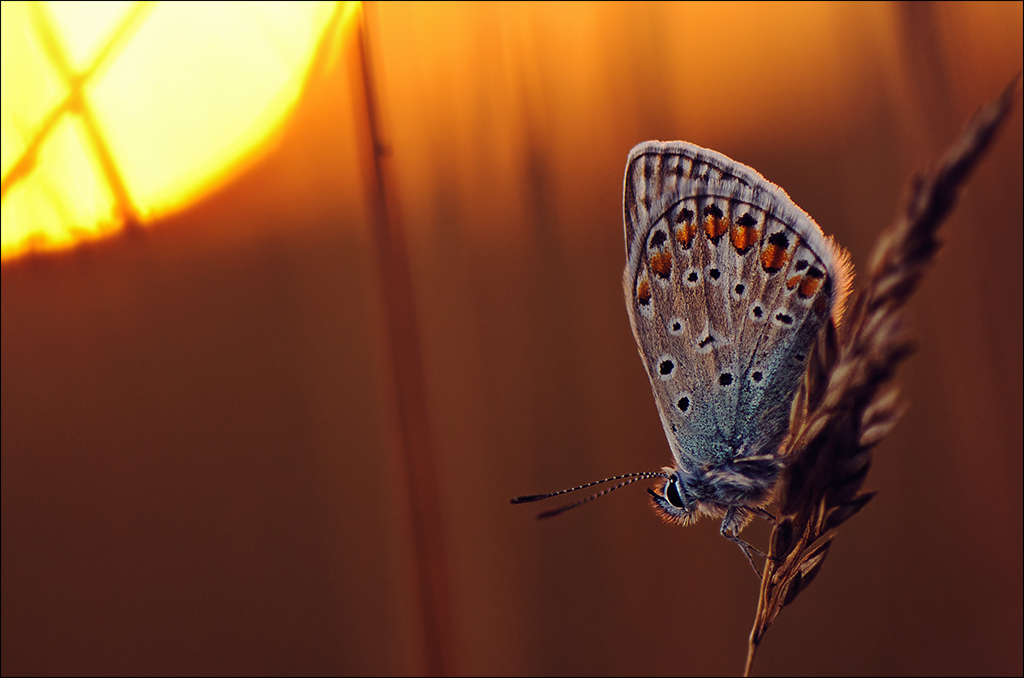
(627, 478)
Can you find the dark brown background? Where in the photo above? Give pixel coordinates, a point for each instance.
(201, 468)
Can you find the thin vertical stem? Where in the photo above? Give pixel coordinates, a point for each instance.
(404, 353)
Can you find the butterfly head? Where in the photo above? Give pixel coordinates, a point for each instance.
(675, 498)
(683, 496)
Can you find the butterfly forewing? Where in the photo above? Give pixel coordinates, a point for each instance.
(727, 283)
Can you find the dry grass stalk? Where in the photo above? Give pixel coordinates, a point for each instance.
(847, 403)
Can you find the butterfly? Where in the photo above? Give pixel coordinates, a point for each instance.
(727, 284)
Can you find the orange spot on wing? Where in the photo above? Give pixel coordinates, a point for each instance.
(643, 292)
(715, 228)
(808, 286)
(743, 237)
(793, 282)
(773, 258)
(685, 233)
(661, 264)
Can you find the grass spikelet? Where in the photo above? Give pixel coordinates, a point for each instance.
(847, 403)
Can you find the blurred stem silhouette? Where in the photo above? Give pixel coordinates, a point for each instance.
(847, 403)
(405, 357)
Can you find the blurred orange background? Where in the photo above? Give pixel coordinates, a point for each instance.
(202, 427)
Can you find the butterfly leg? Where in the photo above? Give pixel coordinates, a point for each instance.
(734, 521)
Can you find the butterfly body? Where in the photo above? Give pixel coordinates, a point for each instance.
(728, 284)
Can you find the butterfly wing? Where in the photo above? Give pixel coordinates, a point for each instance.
(727, 284)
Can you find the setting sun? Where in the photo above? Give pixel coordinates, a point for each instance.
(119, 112)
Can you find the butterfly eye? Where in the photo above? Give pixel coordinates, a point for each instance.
(672, 494)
